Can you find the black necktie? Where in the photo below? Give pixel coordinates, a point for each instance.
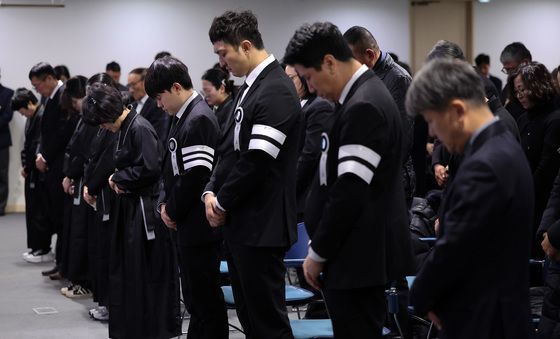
(240, 93)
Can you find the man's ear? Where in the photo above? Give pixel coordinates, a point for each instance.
(459, 107)
(245, 46)
(329, 63)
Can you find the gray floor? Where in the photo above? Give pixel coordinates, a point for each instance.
(22, 288)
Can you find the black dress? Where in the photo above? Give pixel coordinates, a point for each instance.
(143, 277)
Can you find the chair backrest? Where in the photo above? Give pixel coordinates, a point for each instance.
(299, 249)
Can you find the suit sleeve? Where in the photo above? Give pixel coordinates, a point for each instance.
(550, 159)
(467, 223)
(273, 121)
(101, 164)
(398, 92)
(56, 131)
(363, 144)
(440, 155)
(552, 212)
(198, 153)
(307, 161)
(145, 169)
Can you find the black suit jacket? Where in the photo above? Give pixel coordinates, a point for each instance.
(256, 184)
(193, 139)
(6, 115)
(318, 116)
(497, 83)
(476, 278)
(57, 127)
(358, 220)
(157, 117)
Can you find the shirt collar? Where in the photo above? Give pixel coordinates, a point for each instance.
(351, 82)
(186, 104)
(58, 85)
(255, 72)
(144, 99)
(482, 128)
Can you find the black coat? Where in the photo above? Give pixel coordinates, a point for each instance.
(223, 112)
(476, 277)
(6, 115)
(78, 150)
(31, 143)
(256, 184)
(193, 139)
(317, 117)
(540, 139)
(357, 218)
(497, 82)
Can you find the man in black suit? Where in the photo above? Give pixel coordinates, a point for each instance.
(254, 182)
(6, 114)
(188, 164)
(146, 106)
(482, 62)
(475, 281)
(356, 214)
(57, 127)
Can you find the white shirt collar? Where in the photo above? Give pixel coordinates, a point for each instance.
(144, 99)
(351, 82)
(186, 104)
(58, 85)
(303, 102)
(255, 72)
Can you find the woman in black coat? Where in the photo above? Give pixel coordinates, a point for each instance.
(143, 277)
(218, 93)
(539, 127)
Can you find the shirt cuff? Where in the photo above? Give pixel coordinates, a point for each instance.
(42, 158)
(203, 194)
(219, 206)
(313, 255)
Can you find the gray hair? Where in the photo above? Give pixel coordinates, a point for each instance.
(446, 49)
(442, 80)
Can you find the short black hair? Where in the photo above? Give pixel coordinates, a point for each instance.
(361, 38)
(113, 66)
(22, 97)
(141, 71)
(311, 43)
(103, 104)
(60, 71)
(103, 78)
(537, 81)
(163, 73)
(234, 27)
(446, 49)
(41, 71)
(482, 59)
(75, 88)
(516, 51)
(217, 78)
(161, 55)
(439, 82)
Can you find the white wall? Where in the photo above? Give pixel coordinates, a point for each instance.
(532, 22)
(87, 34)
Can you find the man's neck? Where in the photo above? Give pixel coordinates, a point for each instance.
(256, 57)
(346, 71)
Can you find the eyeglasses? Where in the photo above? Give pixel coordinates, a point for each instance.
(134, 83)
(37, 84)
(521, 92)
(507, 70)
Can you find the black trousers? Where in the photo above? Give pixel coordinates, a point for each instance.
(257, 279)
(4, 166)
(200, 266)
(357, 313)
(39, 232)
(55, 205)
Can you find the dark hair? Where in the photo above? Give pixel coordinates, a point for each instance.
(161, 55)
(113, 66)
(554, 75)
(61, 71)
(234, 27)
(103, 78)
(440, 81)
(218, 78)
(515, 51)
(103, 104)
(141, 71)
(537, 81)
(163, 73)
(75, 88)
(22, 97)
(311, 43)
(41, 71)
(360, 38)
(482, 59)
(445, 49)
